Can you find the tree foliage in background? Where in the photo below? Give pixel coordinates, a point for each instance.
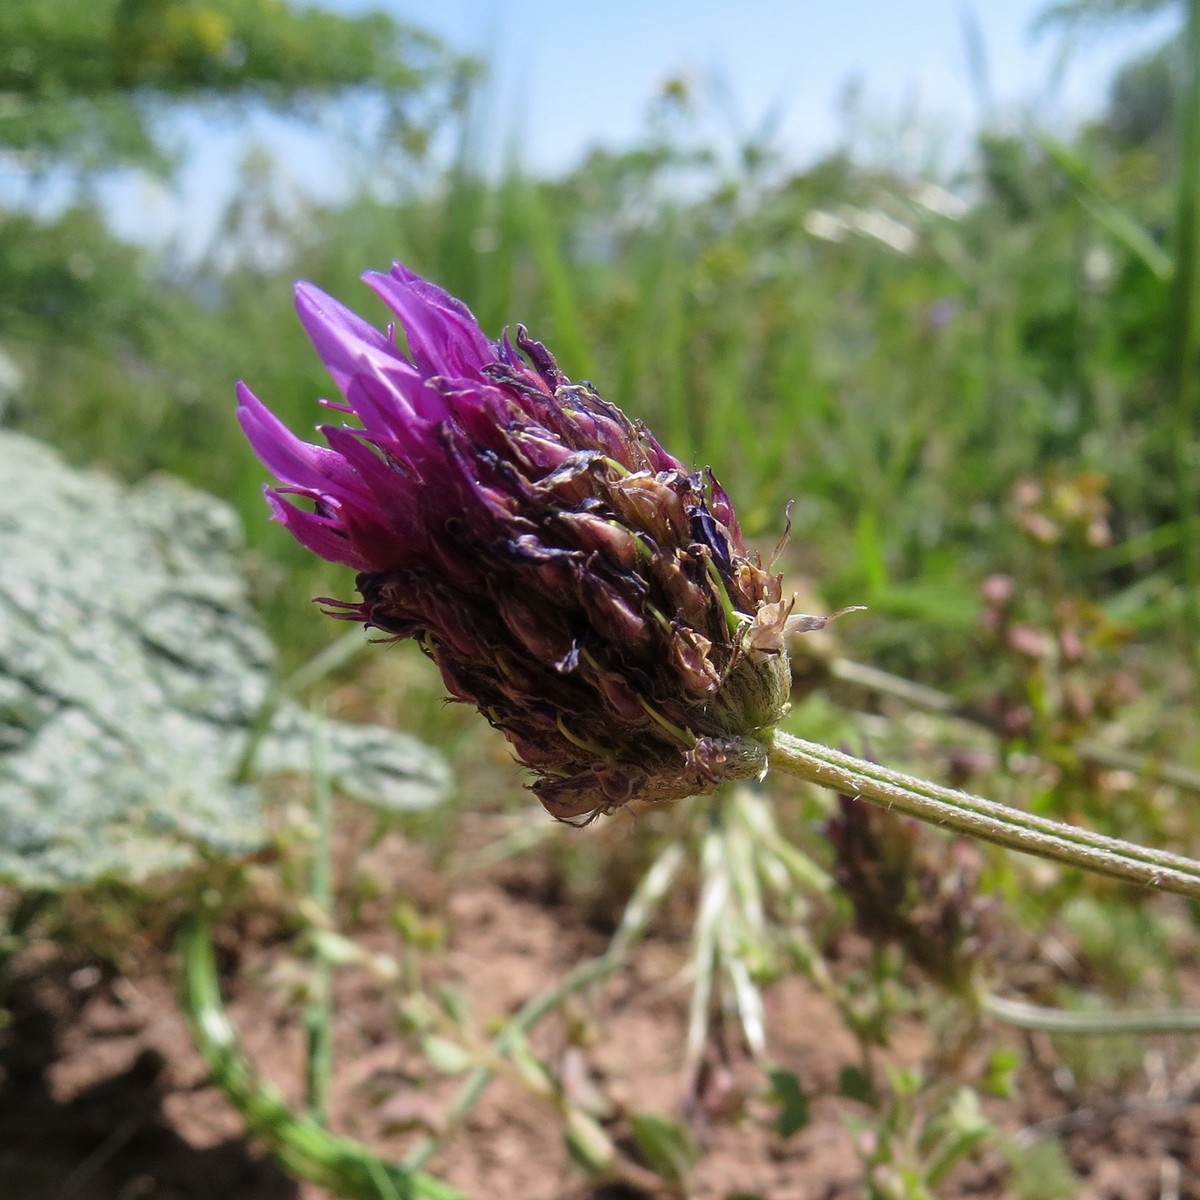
(1095, 12)
(84, 93)
(80, 84)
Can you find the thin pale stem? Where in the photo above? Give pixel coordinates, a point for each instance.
(656, 883)
(345, 1167)
(1060, 1020)
(583, 976)
(318, 1013)
(1183, 331)
(985, 819)
(927, 699)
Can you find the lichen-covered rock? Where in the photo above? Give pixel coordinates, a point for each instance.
(132, 672)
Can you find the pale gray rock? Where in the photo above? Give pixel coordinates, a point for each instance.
(132, 673)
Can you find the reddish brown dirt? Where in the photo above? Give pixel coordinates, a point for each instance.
(102, 1096)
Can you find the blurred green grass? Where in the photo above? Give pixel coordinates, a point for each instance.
(889, 357)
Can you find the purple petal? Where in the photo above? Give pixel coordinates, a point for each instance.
(316, 533)
(342, 338)
(392, 398)
(443, 335)
(660, 459)
(290, 459)
(390, 491)
(473, 482)
(481, 410)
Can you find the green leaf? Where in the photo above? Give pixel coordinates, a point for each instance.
(588, 1144)
(667, 1145)
(966, 1128)
(854, 1084)
(1122, 225)
(904, 1081)
(871, 560)
(792, 1100)
(454, 1002)
(533, 1071)
(334, 948)
(999, 1078)
(446, 1056)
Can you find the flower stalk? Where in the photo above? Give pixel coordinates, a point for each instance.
(298, 1142)
(962, 812)
(1143, 1023)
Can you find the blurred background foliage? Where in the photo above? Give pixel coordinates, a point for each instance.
(892, 351)
(971, 384)
(83, 83)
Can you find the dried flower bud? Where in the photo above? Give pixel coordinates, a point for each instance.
(910, 888)
(585, 590)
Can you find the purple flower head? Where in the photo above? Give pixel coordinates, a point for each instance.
(585, 590)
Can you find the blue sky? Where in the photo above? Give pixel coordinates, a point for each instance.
(574, 73)
(570, 75)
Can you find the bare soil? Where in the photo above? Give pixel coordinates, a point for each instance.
(103, 1097)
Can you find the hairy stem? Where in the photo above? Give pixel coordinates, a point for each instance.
(985, 819)
(318, 1012)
